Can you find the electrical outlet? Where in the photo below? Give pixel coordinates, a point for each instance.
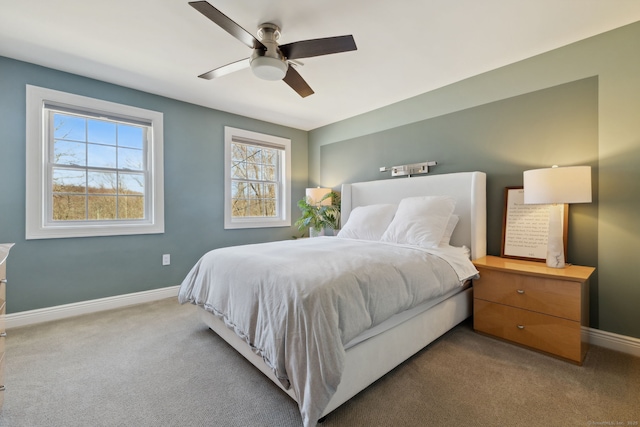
(166, 259)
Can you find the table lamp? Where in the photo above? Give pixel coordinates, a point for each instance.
(315, 195)
(556, 186)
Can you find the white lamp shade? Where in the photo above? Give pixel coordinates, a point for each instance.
(314, 195)
(557, 185)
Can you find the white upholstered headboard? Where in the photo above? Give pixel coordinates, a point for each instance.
(468, 188)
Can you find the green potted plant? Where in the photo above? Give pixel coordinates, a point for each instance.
(318, 217)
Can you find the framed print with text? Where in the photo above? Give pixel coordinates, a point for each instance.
(525, 228)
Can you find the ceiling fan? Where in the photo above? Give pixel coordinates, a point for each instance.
(270, 61)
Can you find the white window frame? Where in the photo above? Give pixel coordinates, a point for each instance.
(38, 191)
(284, 205)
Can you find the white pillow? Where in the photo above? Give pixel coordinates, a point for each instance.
(420, 221)
(368, 222)
(448, 231)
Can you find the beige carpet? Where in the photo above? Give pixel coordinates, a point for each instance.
(156, 365)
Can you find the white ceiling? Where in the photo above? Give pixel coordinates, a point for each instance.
(405, 47)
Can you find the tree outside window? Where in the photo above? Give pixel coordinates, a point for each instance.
(257, 180)
(97, 169)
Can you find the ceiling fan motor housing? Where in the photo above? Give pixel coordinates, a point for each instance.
(269, 64)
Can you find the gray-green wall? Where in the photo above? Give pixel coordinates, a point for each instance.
(532, 130)
(605, 234)
(45, 273)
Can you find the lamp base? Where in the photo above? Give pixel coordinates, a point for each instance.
(555, 243)
(555, 260)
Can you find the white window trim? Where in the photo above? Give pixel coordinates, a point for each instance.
(37, 226)
(285, 203)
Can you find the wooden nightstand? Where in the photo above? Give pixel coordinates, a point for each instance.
(533, 305)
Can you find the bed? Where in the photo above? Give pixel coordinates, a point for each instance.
(287, 329)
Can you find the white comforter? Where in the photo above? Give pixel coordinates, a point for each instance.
(297, 302)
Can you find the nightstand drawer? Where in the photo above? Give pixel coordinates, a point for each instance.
(2, 357)
(542, 332)
(559, 298)
(3, 291)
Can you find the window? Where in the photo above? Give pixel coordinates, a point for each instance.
(257, 180)
(94, 168)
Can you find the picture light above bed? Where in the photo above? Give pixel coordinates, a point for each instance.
(409, 170)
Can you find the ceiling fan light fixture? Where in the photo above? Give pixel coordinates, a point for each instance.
(268, 68)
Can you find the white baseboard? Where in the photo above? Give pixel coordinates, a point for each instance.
(621, 343)
(24, 318)
(597, 337)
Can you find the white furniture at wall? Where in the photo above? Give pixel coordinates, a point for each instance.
(4, 252)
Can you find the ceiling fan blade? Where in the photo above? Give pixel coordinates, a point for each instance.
(226, 69)
(317, 47)
(297, 83)
(227, 24)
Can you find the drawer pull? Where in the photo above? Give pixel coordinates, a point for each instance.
(1, 388)
(3, 280)
(520, 291)
(520, 326)
(3, 334)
